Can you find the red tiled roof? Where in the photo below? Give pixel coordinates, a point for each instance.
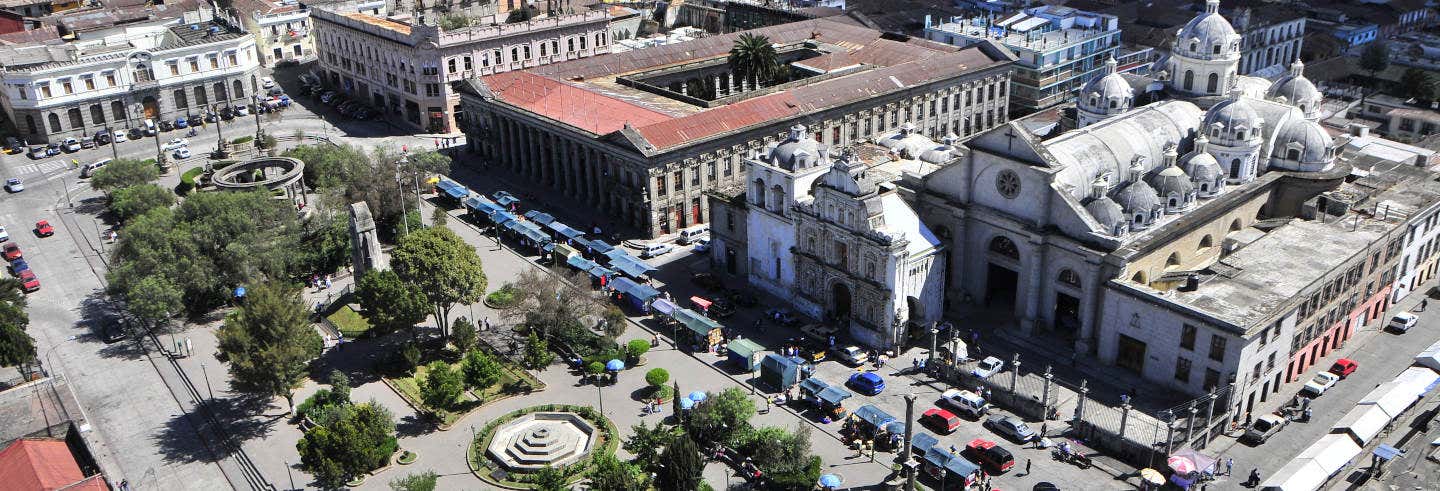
(571, 105)
(28, 465)
(673, 132)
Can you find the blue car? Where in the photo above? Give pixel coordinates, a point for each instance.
(867, 383)
(19, 265)
(182, 123)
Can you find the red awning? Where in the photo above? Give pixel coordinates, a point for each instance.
(700, 302)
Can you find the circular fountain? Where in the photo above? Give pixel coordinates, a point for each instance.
(541, 439)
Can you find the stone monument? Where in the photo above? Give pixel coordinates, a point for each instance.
(365, 241)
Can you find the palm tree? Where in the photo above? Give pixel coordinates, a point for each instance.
(753, 58)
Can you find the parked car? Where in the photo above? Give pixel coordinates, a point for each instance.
(14, 145)
(1322, 382)
(701, 245)
(19, 265)
(11, 251)
(656, 250)
(103, 138)
(987, 367)
(940, 420)
(87, 143)
(965, 401)
(182, 153)
(1265, 427)
(120, 137)
(267, 82)
(133, 134)
(1010, 427)
(14, 185)
(182, 123)
(820, 331)
(720, 308)
(812, 350)
(707, 281)
(994, 458)
(38, 152)
(71, 145)
(29, 282)
(852, 355)
(1402, 322)
(4, 234)
(868, 383)
(175, 143)
(42, 228)
(1344, 367)
(165, 125)
(90, 168)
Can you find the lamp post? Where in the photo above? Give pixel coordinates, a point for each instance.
(114, 152)
(209, 389)
(400, 186)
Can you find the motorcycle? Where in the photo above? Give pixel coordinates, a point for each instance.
(192, 132)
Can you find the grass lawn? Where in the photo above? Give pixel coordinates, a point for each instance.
(410, 388)
(349, 322)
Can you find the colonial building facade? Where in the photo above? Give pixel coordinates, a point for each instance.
(642, 135)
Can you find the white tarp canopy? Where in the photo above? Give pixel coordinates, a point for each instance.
(1418, 380)
(1363, 422)
(1391, 396)
(1430, 357)
(1332, 452)
(1298, 475)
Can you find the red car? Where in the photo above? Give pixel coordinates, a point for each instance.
(940, 420)
(43, 228)
(993, 457)
(12, 251)
(29, 282)
(1344, 367)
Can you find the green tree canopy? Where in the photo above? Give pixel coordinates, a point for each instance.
(556, 308)
(1418, 84)
(657, 377)
(424, 481)
(1375, 58)
(645, 443)
(268, 341)
(17, 348)
(609, 473)
(391, 304)
(537, 352)
(784, 456)
(462, 334)
(442, 386)
(481, 370)
(361, 441)
(123, 173)
(753, 58)
(442, 266)
(721, 418)
(683, 465)
(129, 202)
(549, 479)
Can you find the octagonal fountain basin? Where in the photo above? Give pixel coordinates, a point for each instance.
(535, 440)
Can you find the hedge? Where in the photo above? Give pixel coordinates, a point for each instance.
(243, 139)
(187, 181)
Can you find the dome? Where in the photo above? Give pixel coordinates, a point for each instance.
(1137, 197)
(1232, 119)
(1097, 94)
(1206, 31)
(1294, 88)
(798, 151)
(1171, 181)
(1304, 139)
(1105, 211)
(1203, 167)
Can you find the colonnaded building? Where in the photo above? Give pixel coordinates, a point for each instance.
(642, 135)
(1197, 227)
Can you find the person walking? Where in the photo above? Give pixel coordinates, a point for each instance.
(1027, 467)
(1229, 466)
(1254, 477)
(1423, 303)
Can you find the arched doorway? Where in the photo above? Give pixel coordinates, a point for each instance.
(840, 300)
(1001, 281)
(151, 108)
(730, 260)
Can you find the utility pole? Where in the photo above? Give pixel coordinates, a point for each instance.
(906, 463)
(114, 151)
(400, 183)
(219, 138)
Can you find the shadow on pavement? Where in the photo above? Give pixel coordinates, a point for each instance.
(178, 444)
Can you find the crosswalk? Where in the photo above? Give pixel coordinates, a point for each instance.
(41, 167)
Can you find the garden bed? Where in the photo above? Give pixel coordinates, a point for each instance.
(504, 298)
(349, 322)
(607, 440)
(408, 387)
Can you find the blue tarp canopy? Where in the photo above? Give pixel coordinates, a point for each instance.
(505, 199)
(614, 253)
(452, 188)
(922, 442)
(937, 456)
(596, 245)
(960, 466)
(1386, 452)
(481, 204)
(599, 271)
(564, 230)
(539, 217)
(834, 395)
(666, 307)
(874, 416)
(631, 267)
(813, 385)
(580, 263)
(501, 216)
(549, 246)
(514, 225)
(698, 323)
(532, 234)
(626, 286)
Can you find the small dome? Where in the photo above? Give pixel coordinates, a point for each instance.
(798, 151)
(1294, 88)
(1235, 118)
(1098, 94)
(1137, 197)
(1105, 211)
(1312, 141)
(1206, 31)
(1202, 167)
(1171, 181)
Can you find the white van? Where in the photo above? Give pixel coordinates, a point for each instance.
(90, 168)
(656, 249)
(692, 234)
(964, 401)
(150, 129)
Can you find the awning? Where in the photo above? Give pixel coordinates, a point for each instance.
(834, 395)
(1418, 380)
(597, 246)
(922, 441)
(666, 307)
(631, 268)
(454, 189)
(501, 217)
(698, 323)
(629, 287)
(549, 246)
(481, 204)
(1201, 461)
(564, 230)
(937, 456)
(505, 199)
(599, 271)
(539, 217)
(1430, 357)
(1298, 475)
(743, 348)
(616, 254)
(1391, 396)
(533, 232)
(514, 225)
(960, 466)
(580, 263)
(1332, 452)
(1386, 452)
(813, 385)
(1363, 422)
(701, 302)
(873, 415)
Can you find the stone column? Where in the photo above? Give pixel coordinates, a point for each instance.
(1033, 289)
(1090, 315)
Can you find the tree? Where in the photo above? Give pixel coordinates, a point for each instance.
(462, 333)
(339, 386)
(783, 456)
(682, 465)
(721, 418)
(645, 443)
(481, 370)
(391, 304)
(594, 369)
(438, 216)
(269, 343)
(754, 59)
(411, 355)
(675, 403)
(132, 201)
(558, 309)
(442, 266)
(549, 478)
(17, 348)
(123, 173)
(657, 377)
(151, 300)
(361, 441)
(328, 245)
(537, 352)
(614, 321)
(424, 481)
(609, 473)
(1418, 84)
(1375, 59)
(442, 386)
(635, 349)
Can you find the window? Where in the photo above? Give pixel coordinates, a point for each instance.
(730, 166)
(1187, 337)
(1213, 83)
(214, 61)
(1212, 379)
(45, 91)
(1189, 80)
(710, 170)
(89, 83)
(1217, 347)
(1182, 370)
(468, 65)
(432, 90)
(234, 61)
(97, 114)
(1005, 247)
(54, 122)
(660, 185)
(194, 64)
(679, 179)
(1069, 277)
(67, 87)
(117, 110)
(110, 79)
(695, 175)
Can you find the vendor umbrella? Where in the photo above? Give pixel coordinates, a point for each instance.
(1181, 465)
(698, 395)
(614, 365)
(686, 403)
(830, 481)
(1152, 476)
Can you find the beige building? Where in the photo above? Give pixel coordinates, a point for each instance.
(405, 67)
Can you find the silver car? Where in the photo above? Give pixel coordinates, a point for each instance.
(1010, 427)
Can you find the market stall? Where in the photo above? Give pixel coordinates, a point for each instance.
(705, 333)
(633, 294)
(743, 352)
(783, 372)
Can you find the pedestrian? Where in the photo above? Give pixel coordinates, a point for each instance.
(1248, 419)
(832, 341)
(1254, 477)
(915, 363)
(1027, 467)
(1042, 430)
(1423, 303)
(189, 348)
(1229, 465)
